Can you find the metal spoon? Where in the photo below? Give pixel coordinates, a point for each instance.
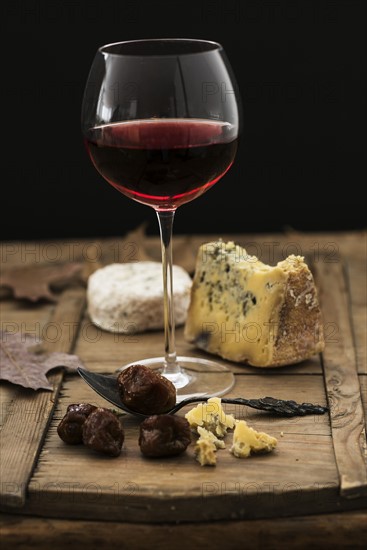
(106, 386)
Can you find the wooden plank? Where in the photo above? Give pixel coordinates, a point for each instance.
(343, 530)
(29, 414)
(8, 393)
(20, 316)
(363, 384)
(342, 384)
(72, 482)
(357, 285)
(302, 471)
(105, 352)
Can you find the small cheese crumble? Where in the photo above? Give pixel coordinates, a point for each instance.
(211, 423)
(211, 416)
(246, 441)
(205, 434)
(205, 452)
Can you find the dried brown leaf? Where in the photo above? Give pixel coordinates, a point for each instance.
(20, 365)
(133, 246)
(184, 254)
(33, 282)
(136, 247)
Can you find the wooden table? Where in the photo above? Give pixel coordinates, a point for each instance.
(312, 490)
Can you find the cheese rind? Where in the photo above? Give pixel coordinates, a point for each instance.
(128, 298)
(247, 441)
(247, 311)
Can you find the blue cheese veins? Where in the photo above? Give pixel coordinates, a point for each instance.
(246, 311)
(211, 423)
(206, 447)
(211, 416)
(247, 441)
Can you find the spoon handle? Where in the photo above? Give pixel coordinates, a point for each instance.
(280, 406)
(270, 404)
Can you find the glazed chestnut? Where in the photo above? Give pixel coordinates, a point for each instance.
(164, 435)
(103, 432)
(70, 427)
(145, 390)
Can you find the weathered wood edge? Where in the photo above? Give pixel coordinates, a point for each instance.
(29, 413)
(338, 530)
(356, 277)
(342, 383)
(208, 507)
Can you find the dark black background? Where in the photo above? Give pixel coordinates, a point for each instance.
(300, 67)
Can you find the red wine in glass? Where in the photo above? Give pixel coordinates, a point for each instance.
(161, 120)
(162, 162)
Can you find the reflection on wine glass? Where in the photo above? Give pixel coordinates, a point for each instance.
(161, 124)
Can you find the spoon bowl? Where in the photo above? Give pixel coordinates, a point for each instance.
(106, 386)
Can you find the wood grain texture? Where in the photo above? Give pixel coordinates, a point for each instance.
(20, 317)
(346, 530)
(342, 383)
(363, 384)
(300, 477)
(357, 287)
(29, 413)
(105, 352)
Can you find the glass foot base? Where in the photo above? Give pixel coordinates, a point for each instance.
(196, 377)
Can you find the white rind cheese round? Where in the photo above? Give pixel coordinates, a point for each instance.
(128, 298)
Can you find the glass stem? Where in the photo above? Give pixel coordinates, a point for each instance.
(165, 220)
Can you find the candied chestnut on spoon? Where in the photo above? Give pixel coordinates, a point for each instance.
(108, 388)
(145, 390)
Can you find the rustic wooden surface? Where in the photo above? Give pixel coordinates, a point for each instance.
(342, 384)
(308, 474)
(23, 432)
(347, 530)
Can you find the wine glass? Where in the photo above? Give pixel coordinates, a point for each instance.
(160, 120)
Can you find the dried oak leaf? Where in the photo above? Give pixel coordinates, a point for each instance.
(137, 247)
(184, 254)
(133, 247)
(19, 365)
(33, 282)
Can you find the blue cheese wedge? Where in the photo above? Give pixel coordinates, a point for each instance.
(246, 311)
(247, 441)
